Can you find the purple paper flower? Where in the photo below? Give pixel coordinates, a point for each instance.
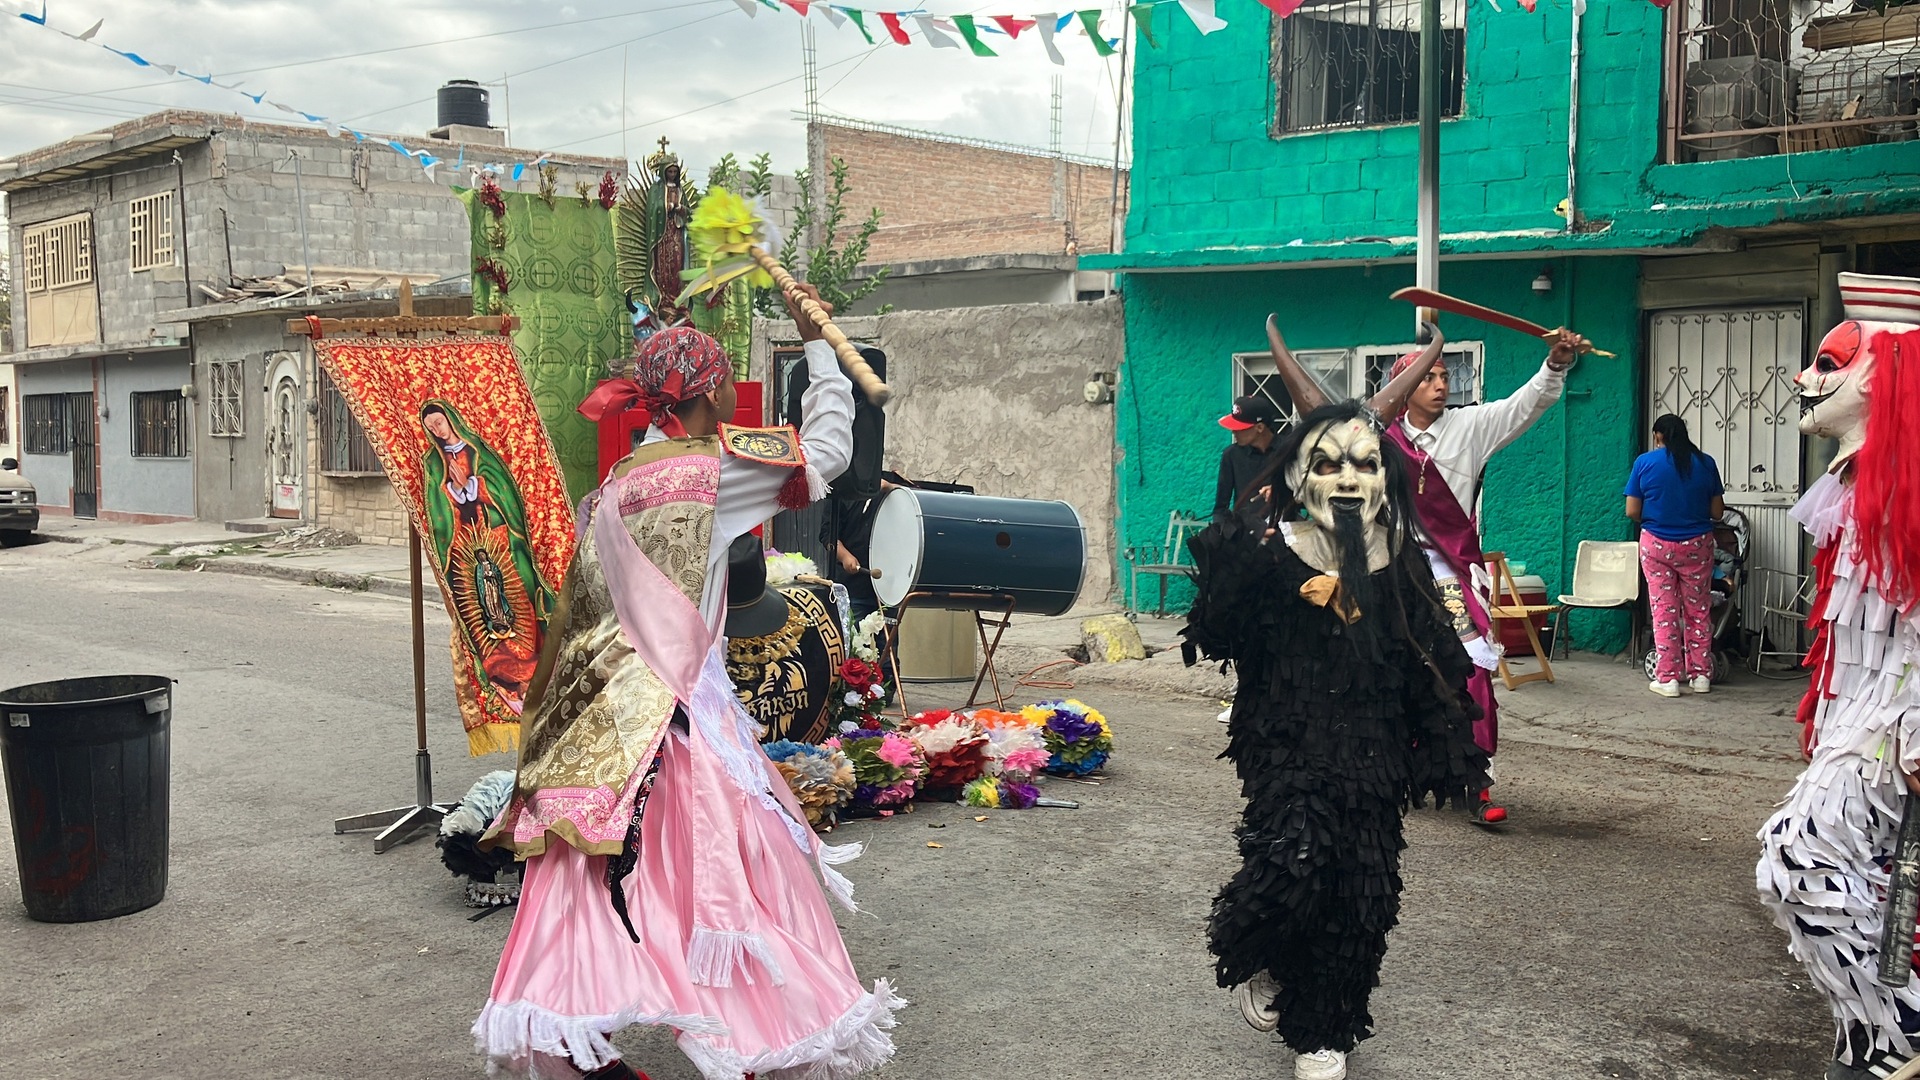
(1072, 728)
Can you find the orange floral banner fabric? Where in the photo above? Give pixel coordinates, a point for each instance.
(461, 440)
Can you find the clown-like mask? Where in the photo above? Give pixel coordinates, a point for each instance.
(1339, 471)
(1833, 391)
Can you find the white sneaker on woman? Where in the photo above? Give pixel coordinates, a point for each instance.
(1320, 1065)
(1670, 688)
(1700, 684)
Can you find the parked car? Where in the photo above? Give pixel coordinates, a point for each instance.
(19, 505)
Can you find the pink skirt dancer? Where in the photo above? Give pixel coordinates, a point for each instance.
(738, 951)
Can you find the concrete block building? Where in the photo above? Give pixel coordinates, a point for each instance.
(143, 394)
(1679, 184)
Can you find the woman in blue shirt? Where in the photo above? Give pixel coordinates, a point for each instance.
(1675, 495)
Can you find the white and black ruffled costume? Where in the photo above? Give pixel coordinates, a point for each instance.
(1826, 852)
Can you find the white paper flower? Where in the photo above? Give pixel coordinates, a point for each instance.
(853, 698)
(876, 691)
(848, 726)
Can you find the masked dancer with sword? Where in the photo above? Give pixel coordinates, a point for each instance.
(1840, 859)
(1448, 451)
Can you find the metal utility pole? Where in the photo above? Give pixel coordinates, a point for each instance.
(1427, 249)
(1116, 223)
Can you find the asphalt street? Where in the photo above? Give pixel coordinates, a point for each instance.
(1609, 931)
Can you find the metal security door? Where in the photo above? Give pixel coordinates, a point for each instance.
(1729, 374)
(286, 437)
(82, 438)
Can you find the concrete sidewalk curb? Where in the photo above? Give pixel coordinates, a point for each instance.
(256, 567)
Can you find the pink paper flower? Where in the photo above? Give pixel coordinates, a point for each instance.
(896, 751)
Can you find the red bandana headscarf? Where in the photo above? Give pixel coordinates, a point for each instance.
(675, 365)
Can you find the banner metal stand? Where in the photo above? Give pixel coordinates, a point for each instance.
(402, 823)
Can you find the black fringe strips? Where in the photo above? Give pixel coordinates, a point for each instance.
(1335, 732)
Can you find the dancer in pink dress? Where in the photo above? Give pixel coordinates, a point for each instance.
(670, 877)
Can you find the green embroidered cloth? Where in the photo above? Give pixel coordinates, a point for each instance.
(573, 321)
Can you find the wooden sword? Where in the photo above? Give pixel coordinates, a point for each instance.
(1440, 301)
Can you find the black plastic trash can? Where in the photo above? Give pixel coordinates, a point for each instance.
(86, 769)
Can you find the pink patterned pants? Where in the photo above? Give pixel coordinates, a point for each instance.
(1679, 579)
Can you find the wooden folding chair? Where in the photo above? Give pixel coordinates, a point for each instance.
(1510, 608)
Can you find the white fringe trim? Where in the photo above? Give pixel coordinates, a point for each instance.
(816, 484)
(841, 854)
(838, 887)
(713, 954)
(520, 1038)
(851, 1045)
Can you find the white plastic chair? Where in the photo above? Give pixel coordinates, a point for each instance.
(1606, 575)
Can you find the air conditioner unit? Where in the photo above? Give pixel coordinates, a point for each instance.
(1733, 94)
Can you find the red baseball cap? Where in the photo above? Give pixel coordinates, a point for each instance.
(1251, 410)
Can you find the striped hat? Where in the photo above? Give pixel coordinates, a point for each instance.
(1874, 298)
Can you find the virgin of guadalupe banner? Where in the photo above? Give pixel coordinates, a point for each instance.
(461, 440)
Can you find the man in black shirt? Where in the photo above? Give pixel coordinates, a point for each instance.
(1254, 421)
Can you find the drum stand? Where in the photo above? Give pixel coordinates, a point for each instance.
(989, 646)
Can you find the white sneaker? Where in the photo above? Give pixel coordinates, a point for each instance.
(1665, 689)
(1255, 998)
(1320, 1065)
(1226, 715)
(1700, 684)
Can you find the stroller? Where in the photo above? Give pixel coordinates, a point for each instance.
(1730, 547)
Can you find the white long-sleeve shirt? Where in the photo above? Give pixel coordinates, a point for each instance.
(1461, 441)
(750, 490)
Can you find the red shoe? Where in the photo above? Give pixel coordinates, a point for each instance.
(1486, 812)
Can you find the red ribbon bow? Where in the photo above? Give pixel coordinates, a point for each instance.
(616, 396)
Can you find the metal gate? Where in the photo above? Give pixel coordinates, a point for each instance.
(1729, 374)
(286, 436)
(81, 438)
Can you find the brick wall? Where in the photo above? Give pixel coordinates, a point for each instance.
(945, 200)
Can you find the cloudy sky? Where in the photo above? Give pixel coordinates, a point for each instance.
(697, 71)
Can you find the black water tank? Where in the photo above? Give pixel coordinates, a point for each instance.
(463, 101)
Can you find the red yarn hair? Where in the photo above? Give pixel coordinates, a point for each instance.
(1886, 471)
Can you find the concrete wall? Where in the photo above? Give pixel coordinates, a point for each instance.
(128, 300)
(971, 288)
(991, 397)
(1557, 485)
(229, 472)
(363, 505)
(361, 204)
(142, 486)
(942, 200)
(52, 474)
(10, 422)
(1214, 178)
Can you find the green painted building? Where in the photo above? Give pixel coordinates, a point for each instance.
(1729, 157)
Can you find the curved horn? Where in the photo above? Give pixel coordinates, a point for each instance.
(1392, 398)
(1302, 387)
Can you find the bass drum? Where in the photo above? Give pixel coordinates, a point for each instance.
(785, 679)
(966, 548)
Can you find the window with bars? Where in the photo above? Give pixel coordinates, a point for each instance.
(1354, 373)
(344, 448)
(1356, 63)
(57, 264)
(226, 419)
(59, 254)
(159, 424)
(43, 424)
(150, 231)
(1463, 368)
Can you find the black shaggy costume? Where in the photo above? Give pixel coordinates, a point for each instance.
(1335, 730)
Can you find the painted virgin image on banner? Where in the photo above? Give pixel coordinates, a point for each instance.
(462, 442)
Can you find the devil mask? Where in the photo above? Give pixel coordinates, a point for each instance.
(1338, 471)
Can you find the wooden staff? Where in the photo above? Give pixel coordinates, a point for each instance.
(877, 392)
